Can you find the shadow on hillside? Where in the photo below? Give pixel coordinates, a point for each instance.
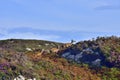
(92, 57)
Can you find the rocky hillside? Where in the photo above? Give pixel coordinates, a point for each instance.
(97, 59)
(100, 53)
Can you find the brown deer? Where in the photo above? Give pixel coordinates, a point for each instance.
(54, 50)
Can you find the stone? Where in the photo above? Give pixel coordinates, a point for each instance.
(20, 77)
(28, 49)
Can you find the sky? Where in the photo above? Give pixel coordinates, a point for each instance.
(59, 20)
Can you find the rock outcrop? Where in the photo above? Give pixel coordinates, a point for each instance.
(20, 77)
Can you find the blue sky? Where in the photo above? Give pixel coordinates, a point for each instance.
(59, 20)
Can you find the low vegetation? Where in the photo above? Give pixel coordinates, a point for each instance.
(97, 59)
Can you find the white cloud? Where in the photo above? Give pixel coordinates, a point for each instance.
(3, 31)
(11, 24)
(106, 4)
(57, 27)
(17, 1)
(29, 36)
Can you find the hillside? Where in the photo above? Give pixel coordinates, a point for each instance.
(97, 59)
(101, 54)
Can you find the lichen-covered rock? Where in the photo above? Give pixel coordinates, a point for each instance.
(21, 77)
